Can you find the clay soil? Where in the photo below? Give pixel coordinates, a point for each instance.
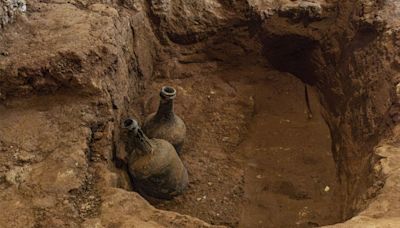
(253, 156)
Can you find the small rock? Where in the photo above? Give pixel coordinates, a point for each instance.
(209, 184)
(398, 90)
(327, 188)
(259, 176)
(85, 206)
(251, 164)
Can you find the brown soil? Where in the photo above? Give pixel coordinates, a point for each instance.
(71, 71)
(254, 158)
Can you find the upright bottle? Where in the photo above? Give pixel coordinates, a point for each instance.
(165, 124)
(154, 164)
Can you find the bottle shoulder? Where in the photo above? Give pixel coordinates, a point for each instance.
(154, 123)
(160, 159)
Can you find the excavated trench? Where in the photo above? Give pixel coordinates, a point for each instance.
(254, 157)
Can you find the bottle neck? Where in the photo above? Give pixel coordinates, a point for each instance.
(142, 143)
(166, 109)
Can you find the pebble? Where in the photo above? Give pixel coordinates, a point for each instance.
(251, 164)
(327, 188)
(85, 206)
(4, 53)
(259, 176)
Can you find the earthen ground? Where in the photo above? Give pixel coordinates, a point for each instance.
(254, 158)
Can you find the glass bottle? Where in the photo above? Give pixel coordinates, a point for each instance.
(154, 164)
(165, 124)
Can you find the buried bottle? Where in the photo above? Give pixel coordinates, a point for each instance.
(165, 124)
(154, 164)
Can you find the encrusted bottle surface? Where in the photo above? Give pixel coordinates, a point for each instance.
(154, 164)
(165, 124)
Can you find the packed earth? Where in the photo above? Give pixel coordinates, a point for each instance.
(291, 109)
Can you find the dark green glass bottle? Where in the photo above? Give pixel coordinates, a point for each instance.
(154, 164)
(165, 124)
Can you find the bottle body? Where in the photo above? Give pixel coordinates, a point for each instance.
(160, 174)
(165, 124)
(172, 130)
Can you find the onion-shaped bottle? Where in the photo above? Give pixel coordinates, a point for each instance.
(154, 164)
(165, 124)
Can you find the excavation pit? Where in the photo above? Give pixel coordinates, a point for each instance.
(254, 157)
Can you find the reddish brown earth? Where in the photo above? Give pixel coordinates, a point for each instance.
(254, 158)
(71, 71)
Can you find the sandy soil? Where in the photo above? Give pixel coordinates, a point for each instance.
(254, 159)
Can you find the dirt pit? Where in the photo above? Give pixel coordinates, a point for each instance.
(253, 156)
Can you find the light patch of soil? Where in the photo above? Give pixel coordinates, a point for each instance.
(253, 157)
(289, 170)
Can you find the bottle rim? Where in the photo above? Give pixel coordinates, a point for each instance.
(130, 124)
(168, 92)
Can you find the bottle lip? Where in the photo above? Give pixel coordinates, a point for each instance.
(130, 124)
(168, 92)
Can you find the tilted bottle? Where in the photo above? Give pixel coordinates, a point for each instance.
(154, 164)
(165, 124)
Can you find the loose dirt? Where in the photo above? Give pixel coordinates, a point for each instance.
(253, 156)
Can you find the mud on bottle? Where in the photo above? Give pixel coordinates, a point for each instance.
(165, 124)
(154, 164)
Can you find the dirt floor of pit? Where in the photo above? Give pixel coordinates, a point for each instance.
(253, 157)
